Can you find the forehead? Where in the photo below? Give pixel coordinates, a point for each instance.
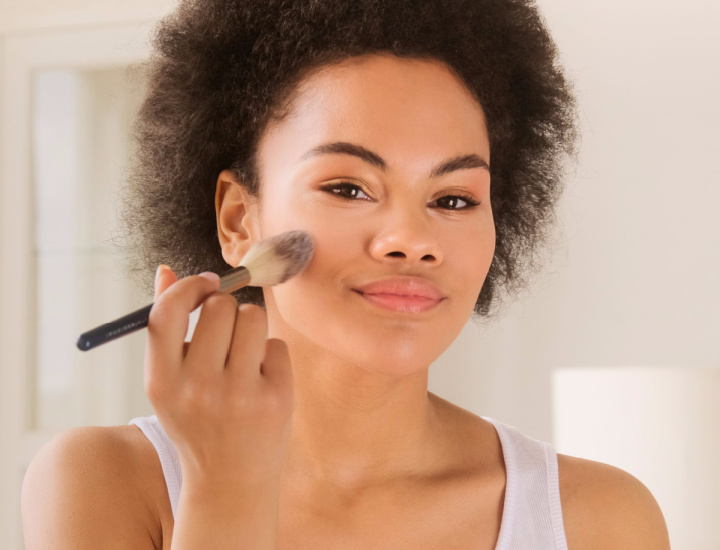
(402, 107)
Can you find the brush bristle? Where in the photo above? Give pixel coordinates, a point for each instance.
(274, 260)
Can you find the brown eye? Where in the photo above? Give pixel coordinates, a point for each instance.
(344, 190)
(453, 199)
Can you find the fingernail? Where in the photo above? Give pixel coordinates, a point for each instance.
(210, 276)
(159, 270)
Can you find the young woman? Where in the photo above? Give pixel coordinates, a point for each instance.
(421, 146)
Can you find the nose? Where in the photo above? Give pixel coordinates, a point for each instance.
(406, 235)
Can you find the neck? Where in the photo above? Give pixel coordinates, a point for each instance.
(355, 428)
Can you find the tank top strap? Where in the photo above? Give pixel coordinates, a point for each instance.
(169, 459)
(532, 514)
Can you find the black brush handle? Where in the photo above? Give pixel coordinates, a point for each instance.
(230, 281)
(115, 329)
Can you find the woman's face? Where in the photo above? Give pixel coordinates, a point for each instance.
(390, 217)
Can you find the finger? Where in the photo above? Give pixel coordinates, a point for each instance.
(210, 343)
(164, 277)
(247, 348)
(276, 366)
(170, 317)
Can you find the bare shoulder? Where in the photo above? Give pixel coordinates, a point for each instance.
(92, 487)
(605, 507)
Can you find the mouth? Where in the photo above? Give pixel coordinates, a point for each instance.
(401, 303)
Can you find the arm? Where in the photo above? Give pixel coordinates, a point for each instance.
(79, 494)
(606, 508)
(634, 519)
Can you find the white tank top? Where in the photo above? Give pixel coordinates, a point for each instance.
(532, 516)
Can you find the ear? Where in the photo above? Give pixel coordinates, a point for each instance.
(236, 213)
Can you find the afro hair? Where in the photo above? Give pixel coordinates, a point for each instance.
(222, 70)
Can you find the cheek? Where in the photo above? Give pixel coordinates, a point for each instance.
(322, 285)
(469, 254)
(337, 243)
(470, 263)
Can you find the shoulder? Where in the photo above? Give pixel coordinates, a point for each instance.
(92, 476)
(606, 508)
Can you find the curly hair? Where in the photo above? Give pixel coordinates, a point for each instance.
(222, 70)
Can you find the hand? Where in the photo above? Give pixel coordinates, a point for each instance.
(226, 398)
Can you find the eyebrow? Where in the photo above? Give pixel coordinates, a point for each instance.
(463, 162)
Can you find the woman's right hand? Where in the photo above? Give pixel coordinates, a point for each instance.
(226, 398)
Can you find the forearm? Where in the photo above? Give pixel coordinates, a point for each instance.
(223, 516)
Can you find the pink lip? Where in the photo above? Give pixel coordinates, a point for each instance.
(403, 304)
(407, 287)
(402, 294)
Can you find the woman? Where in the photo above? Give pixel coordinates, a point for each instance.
(421, 145)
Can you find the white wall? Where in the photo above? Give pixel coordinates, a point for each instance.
(635, 278)
(612, 414)
(33, 15)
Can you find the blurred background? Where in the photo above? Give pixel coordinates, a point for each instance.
(612, 355)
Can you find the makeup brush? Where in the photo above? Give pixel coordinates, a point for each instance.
(269, 262)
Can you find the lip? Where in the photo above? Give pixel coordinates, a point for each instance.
(416, 287)
(402, 294)
(400, 304)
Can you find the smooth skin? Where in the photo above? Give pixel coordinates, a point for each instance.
(369, 458)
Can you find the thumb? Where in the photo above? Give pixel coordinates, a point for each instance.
(164, 277)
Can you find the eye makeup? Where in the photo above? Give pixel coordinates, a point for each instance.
(347, 186)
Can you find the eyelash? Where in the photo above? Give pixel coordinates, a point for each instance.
(346, 185)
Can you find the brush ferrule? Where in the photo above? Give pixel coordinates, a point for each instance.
(234, 279)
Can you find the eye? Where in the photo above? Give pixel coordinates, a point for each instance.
(349, 191)
(344, 190)
(471, 203)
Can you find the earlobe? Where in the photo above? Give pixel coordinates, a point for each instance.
(233, 253)
(234, 212)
